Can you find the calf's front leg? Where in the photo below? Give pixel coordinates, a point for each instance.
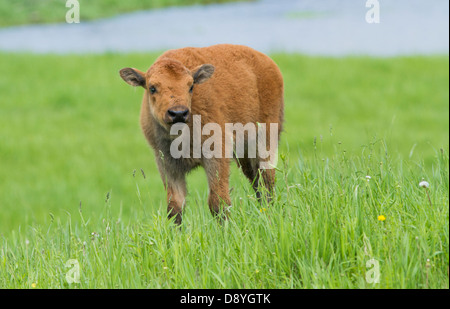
(218, 173)
(176, 197)
(175, 186)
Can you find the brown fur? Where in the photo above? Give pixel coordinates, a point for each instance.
(246, 86)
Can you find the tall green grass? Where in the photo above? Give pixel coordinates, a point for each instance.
(72, 187)
(320, 232)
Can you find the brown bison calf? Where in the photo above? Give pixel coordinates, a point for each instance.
(223, 84)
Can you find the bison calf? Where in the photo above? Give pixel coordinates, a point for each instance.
(221, 84)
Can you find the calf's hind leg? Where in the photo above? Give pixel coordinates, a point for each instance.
(262, 180)
(266, 179)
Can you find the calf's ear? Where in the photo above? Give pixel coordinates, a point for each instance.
(202, 73)
(133, 77)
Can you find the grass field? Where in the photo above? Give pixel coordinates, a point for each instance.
(71, 184)
(19, 12)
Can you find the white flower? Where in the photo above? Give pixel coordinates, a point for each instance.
(368, 178)
(424, 184)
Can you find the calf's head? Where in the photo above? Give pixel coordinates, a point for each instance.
(169, 86)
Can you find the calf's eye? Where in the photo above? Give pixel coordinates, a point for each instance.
(191, 89)
(152, 90)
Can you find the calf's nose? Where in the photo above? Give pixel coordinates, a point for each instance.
(178, 114)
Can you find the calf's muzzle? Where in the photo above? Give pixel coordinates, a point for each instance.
(177, 114)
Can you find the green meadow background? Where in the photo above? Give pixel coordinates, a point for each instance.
(21, 12)
(78, 181)
(70, 125)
